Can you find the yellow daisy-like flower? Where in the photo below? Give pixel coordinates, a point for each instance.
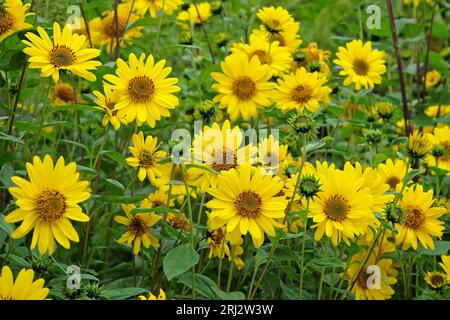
(63, 53)
(342, 209)
(440, 142)
(436, 280)
(157, 199)
(278, 58)
(24, 288)
(362, 65)
(287, 38)
(445, 264)
(146, 157)
(315, 55)
(104, 31)
(247, 200)
(145, 90)
(217, 243)
(195, 14)
(393, 173)
(107, 103)
(48, 202)
(300, 90)
(154, 6)
(271, 153)
(137, 228)
(437, 111)
(64, 94)
(243, 87)
(421, 220)
(276, 20)
(12, 17)
(432, 78)
(220, 149)
(151, 296)
(418, 145)
(369, 285)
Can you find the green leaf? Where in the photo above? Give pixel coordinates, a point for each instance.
(120, 199)
(208, 289)
(116, 157)
(80, 107)
(440, 248)
(7, 137)
(326, 262)
(123, 293)
(159, 210)
(178, 260)
(115, 183)
(6, 173)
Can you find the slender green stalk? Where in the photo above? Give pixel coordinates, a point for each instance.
(302, 259)
(322, 274)
(44, 113)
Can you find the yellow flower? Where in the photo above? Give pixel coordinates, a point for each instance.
(316, 55)
(12, 17)
(107, 103)
(343, 208)
(64, 94)
(175, 172)
(137, 228)
(445, 264)
(301, 90)
(247, 200)
(436, 280)
(432, 78)
(361, 65)
(276, 20)
(421, 220)
(195, 14)
(146, 157)
(220, 149)
(178, 221)
(271, 153)
(154, 6)
(278, 58)
(104, 31)
(157, 199)
(440, 145)
(415, 2)
(63, 53)
(24, 288)
(418, 145)
(47, 202)
(145, 90)
(437, 111)
(369, 285)
(217, 242)
(393, 173)
(161, 296)
(243, 87)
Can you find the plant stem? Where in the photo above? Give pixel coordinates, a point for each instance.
(44, 112)
(302, 269)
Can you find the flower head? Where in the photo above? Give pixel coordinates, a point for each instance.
(23, 288)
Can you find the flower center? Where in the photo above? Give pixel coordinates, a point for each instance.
(414, 217)
(278, 37)
(65, 93)
(110, 105)
(62, 56)
(6, 21)
(51, 205)
(263, 56)
(302, 94)
(248, 204)
(273, 26)
(137, 226)
(217, 236)
(141, 89)
(244, 88)
(337, 208)
(145, 159)
(224, 161)
(110, 27)
(437, 280)
(393, 182)
(361, 67)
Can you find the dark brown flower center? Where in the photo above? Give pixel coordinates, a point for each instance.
(302, 93)
(244, 88)
(217, 236)
(110, 105)
(263, 56)
(145, 159)
(110, 26)
(62, 56)
(248, 204)
(141, 89)
(414, 217)
(7, 21)
(51, 205)
(437, 280)
(137, 226)
(337, 208)
(278, 37)
(224, 160)
(393, 182)
(361, 67)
